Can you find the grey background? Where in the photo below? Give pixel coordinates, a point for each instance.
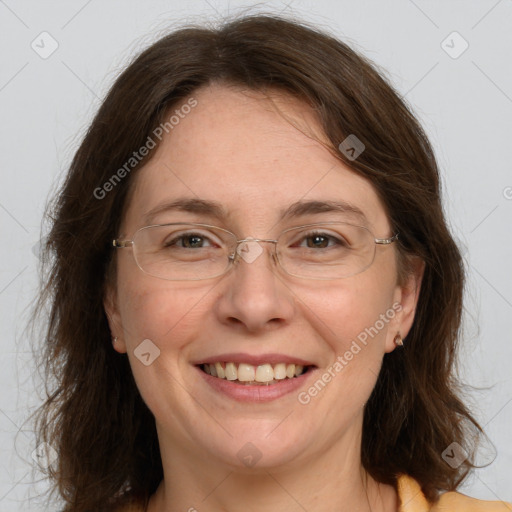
(465, 104)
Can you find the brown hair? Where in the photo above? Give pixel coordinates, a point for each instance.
(94, 416)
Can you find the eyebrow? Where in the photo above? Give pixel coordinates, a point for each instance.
(214, 209)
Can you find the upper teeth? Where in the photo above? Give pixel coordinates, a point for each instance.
(248, 372)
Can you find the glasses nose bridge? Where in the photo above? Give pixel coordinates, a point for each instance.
(250, 239)
(236, 254)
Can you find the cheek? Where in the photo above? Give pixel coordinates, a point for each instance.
(169, 316)
(359, 308)
(352, 322)
(160, 311)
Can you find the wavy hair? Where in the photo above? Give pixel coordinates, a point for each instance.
(94, 416)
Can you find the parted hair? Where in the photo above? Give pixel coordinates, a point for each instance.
(94, 416)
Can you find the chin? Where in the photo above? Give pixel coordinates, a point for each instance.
(260, 446)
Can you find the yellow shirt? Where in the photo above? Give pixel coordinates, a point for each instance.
(412, 499)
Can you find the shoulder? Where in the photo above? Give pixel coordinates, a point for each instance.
(455, 501)
(412, 500)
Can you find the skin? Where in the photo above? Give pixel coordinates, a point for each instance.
(235, 148)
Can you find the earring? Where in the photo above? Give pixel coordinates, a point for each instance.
(114, 340)
(398, 340)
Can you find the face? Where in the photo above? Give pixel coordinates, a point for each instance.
(247, 153)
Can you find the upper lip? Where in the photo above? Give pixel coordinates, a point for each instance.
(254, 359)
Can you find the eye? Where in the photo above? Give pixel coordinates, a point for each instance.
(188, 241)
(321, 240)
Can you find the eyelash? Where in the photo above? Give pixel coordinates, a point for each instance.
(173, 242)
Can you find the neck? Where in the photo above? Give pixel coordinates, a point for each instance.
(332, 481)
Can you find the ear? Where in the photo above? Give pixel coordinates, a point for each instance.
(406, 294)
(110, 305)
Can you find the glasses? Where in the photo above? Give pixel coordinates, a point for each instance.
(191, 252)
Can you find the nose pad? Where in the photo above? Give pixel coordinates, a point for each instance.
(273, 256)
(250, 249)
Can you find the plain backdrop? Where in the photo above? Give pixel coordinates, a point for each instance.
(451, 60)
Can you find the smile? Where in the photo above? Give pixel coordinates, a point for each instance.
(250, 375)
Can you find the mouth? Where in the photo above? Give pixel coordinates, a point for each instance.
(254, 378)
(246, 374)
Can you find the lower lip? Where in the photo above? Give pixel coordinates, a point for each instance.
(259, 393)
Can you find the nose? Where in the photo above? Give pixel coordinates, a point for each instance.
(253, 296)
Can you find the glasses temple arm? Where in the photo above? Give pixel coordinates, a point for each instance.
(386, 241)
(119, 244)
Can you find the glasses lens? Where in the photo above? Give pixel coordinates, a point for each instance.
(183, 252)
(326, 251)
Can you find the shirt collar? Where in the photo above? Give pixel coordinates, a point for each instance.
(411, 496)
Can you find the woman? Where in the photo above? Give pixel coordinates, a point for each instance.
(255, 297)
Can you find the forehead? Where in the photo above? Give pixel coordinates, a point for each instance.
(256, 158)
